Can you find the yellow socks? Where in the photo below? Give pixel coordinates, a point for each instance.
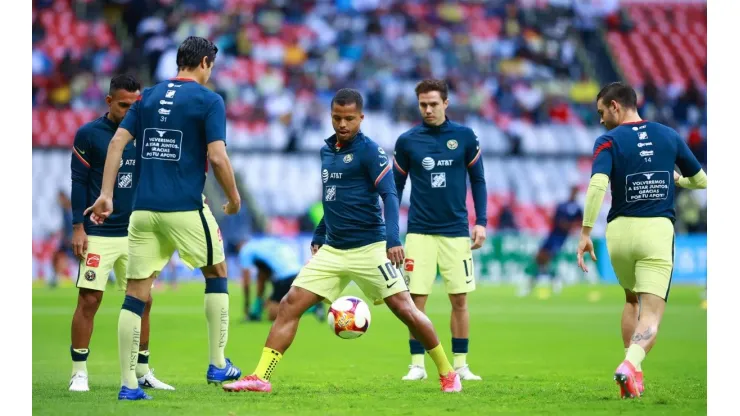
(635, 355)
(269, 360)
(217, 318)
(129, 335)
(440, 360)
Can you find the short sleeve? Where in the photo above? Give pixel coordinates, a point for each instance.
(602, 158)
(685, 159)
(472, 150)
(246, 257)
(377, 163)
(216, 120)
(131, 120)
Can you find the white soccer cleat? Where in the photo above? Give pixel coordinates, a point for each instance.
(465, 374)
(148, 380)
(79, 382)
(416, 372)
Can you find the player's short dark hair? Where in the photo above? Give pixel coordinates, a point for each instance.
(348, 96)
(429, 85)
(192, 50)
(619, 92)
(124, 82)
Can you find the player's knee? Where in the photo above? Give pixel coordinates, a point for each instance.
(289, 304)
(216, 270)
(89, 301)
(402, 307)
(459, 302)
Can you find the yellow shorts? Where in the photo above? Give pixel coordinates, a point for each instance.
(103, 256)
(154, 236)
(425, 253)
(330, 271)
(641, 252)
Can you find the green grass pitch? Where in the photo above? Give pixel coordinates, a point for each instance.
(553, 356)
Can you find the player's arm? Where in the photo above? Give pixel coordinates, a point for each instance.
(401, 164)
(600, 171)
(477, 177)
(378, 167)
(80, 167)
(216, 139)
(319, 236)
(692, 176)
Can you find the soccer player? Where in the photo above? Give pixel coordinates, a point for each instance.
(276, 262)
(352, 242)
(440, 155)
(567, 215)
(179, 126)
(103, 248)
(638, 157)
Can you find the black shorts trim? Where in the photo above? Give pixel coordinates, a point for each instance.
(209, 242)
(673, 260)
(280, 288)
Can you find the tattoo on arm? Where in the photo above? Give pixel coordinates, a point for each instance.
(643, 336)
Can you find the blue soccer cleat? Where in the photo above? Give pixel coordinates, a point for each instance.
(133, 394)
(217, 375)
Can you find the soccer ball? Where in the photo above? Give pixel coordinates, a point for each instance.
(349, 317)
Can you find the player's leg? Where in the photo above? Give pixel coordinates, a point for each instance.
(420, 270)
(246, 283)
(653, 246)
(630, 315)
(197, 238)
(92, 277)
(458, 272)
(317, 280)
(259, 302)
(382, 282)
(280, 289)
(149, 252)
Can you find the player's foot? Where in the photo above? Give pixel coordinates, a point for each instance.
(149, 381)
(625, 376)
(450, 383)
(465, 374)
(217, 375)
(416, 372)
(78, 382)
(254, 317)
(133, 394)
(640, 382)
(249, 383)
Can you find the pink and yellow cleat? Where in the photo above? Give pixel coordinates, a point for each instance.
(640, 382)
(450, 383)
(249, 383)
(627, 378)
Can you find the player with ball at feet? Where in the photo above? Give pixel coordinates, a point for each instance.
(352, 242)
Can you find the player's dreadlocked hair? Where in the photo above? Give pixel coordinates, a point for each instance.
(619, 92)
(192, 50)
(124, 82)
(348, 96)
(429, 85)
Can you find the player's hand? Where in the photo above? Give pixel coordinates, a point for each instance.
(79, 241)
(585, 246)
(315, 249)
(100, 210)
(479, 236)
(676, 178)
(396, 256)
(231, 208)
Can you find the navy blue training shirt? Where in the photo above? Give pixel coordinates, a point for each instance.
(88, 163)
(173, 122)
(439, 159)
(353, 177)
(639, 159)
